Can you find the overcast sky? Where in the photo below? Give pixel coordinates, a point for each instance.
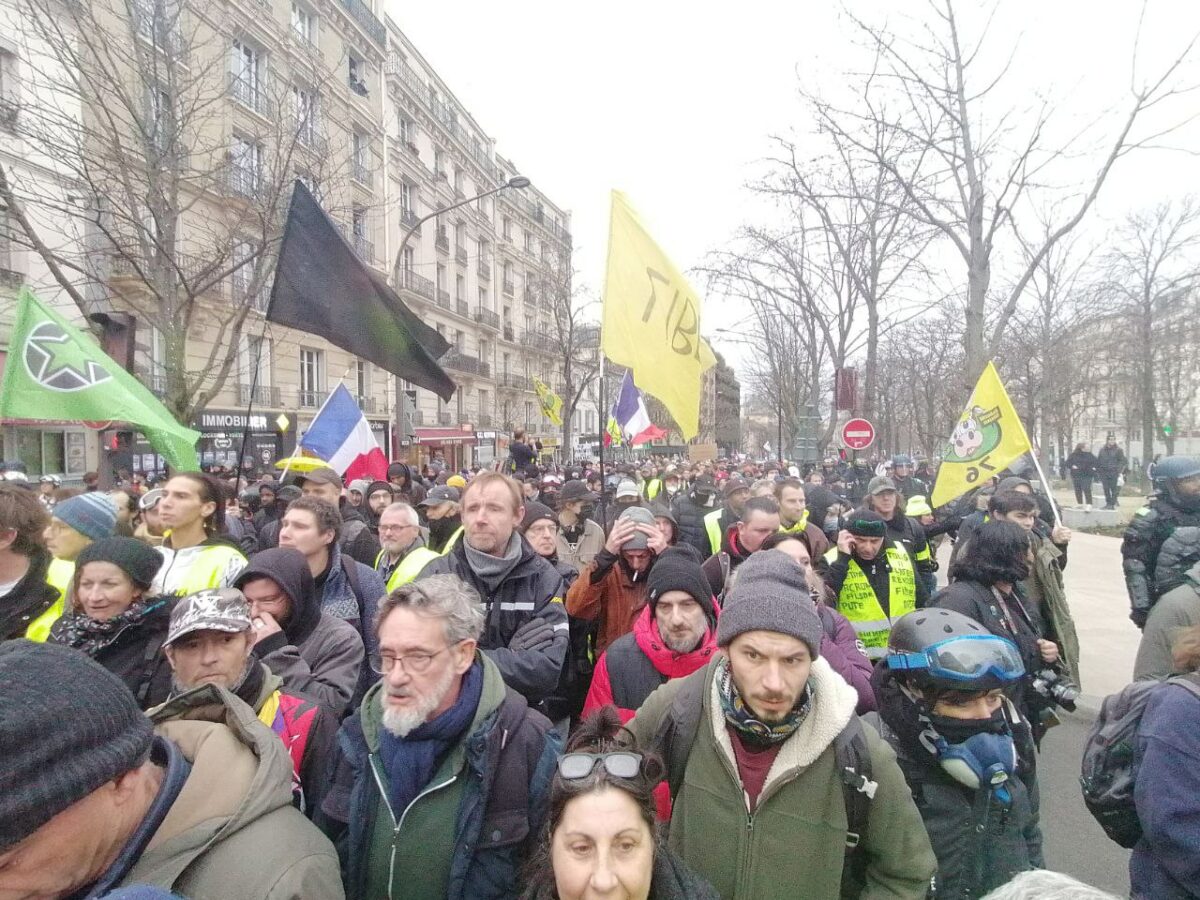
(674, 102)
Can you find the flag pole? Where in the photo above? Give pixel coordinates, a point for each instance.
(296, 450)
(603, 432)
(246, 426)
(1046, 487)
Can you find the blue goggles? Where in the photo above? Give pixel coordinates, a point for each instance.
(966, 658)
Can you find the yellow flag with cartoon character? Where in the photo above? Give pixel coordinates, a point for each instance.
(989, 435)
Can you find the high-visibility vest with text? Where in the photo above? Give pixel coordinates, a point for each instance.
(858, 603)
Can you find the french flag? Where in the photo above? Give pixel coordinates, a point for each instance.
(630, 413)
(341, 435)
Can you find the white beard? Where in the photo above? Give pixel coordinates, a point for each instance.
(401, 722)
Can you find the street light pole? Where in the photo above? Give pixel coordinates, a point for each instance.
(517, 182)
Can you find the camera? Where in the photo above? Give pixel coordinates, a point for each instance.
(1053, 684)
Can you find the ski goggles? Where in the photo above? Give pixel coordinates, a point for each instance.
(966, 658)
(150, 499)
(619, 764)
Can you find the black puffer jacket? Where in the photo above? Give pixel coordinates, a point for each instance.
(690, 516)
(31, 597)
(1179, 553)
(980, 842)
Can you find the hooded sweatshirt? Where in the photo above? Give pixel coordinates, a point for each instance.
(316, 654)
(369, 514)
(409, 491)
(232, 830)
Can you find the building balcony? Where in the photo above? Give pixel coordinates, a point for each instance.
(445, 418)
(365, 403)
(514, 381)
(509, 288)
(251, 94)
(10, 278)
(443, 298)
(442, 241)
(462, 362)
(244, 182)
(308, 138)
(483, 266)
(364, 248)
(462, 308)
(360, 173)
(408, 280)
(417, 416)
(487, 318)
(310, 399)
(155, 381)
(460, 255)
(367, 20)
(9, 110)
(262, 395)
(485, 420)
(508, 332)
(409, 219)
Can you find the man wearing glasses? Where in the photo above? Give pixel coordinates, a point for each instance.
(399, 535)
(439, 780)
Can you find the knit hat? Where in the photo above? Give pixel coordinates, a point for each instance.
(93, 514)
(535, 511)
(679, 571)
(67, 726)
(456, 481)
(139, 561)
(770, 593)
(866, 523)
(643, 516)
(359, 485)
(732, 486)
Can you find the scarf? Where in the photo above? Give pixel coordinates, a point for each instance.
(492, 570)
(441, 530)
(91, 635)
(741, 718)
(410, 762)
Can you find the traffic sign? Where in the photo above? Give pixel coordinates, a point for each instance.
(858, 434)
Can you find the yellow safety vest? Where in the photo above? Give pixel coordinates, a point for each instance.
(207, 568)
(653, 486)
(712, 524)
(858, 603)
(796, 528)
(410, 567)
(59, 576)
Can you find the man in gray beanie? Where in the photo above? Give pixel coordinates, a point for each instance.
(764, 741)
(195, 799)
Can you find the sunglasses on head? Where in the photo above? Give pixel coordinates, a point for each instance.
(619, 764)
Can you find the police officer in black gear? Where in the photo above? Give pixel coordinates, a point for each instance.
(1176, 505)
(908, 484)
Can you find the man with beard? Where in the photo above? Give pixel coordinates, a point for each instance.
(378, 496)
(404, 486)
(400, 535)
(674, 635)
(718, 522)
(440, 778)
(211, 640)
(612, 590)
(443, 513)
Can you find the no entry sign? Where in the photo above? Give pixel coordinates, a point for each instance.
(858, 434)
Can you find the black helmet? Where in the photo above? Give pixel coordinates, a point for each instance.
(944, 649)
(1168, 472)
(902, 459)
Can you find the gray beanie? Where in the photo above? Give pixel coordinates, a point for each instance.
(67, 726)
(771, 594)
(93, 515)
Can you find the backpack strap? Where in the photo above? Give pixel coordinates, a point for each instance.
(852, 757)
(351, 571)
(677, 731)
(150, 663)
(828, 623)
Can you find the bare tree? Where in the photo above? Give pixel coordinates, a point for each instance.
(573, 340)
(970, 175)
(172, 220)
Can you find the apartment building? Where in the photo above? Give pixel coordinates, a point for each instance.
(336, 95)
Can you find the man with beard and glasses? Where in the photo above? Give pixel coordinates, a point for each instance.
(770, 769)
(211, 640)
(440, 779)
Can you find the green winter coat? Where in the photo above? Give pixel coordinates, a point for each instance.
(794, 843)
(1052, 598)
(232, 831)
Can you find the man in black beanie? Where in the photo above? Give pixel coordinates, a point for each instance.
(195, 799)
(674, 635)
(874, 579)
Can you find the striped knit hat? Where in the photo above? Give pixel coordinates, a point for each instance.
(93, 514)
(67, 726)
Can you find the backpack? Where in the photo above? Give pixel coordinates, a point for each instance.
(677, 732)
(1108, 772)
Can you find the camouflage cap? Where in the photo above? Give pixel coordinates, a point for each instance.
(223, 609)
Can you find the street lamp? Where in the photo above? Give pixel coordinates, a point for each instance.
(518, 182)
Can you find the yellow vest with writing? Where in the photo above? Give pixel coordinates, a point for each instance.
(59, 576)
(858, 603)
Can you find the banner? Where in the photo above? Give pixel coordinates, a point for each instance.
(550, 402)
(56, 372)
(651, 319)
(989, 435)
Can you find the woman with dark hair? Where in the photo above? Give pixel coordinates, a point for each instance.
(1082, 466)
(115, 618)
(839, 643)
(984, 586)
(601, 834)
(197, 553)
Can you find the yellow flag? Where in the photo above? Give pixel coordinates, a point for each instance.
(652, 319)
(989, 435)
(550, 402)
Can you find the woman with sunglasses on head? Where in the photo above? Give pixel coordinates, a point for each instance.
(960, 743)
(601, 835)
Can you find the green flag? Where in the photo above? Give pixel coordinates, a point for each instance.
(55, 371)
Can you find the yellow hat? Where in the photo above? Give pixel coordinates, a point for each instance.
(918, 506)
(456, 481)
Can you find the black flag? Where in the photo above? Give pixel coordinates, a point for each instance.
(322, 287)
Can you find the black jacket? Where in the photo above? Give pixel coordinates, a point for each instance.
(356, 540)
(878, 573)
(532, 590)
(1110, 461)
(980, 842)
(690, 516)
(1141, 545)
(911, 486)
(1082, 464)
(31, 597)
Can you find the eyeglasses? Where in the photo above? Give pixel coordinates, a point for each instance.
(620, 764)
(410, 663)
(390, 528)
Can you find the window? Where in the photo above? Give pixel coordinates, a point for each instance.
(157, 22)
(160, 113)
(528, 242)
(458, 180)
(9, 96)
(439, 164)
(460, 237)
(362, 378)
(304, 108)
(360, 154)
(356, 73)
(460, 288)
(441, 279)
(312, 377)
(407, 200)
(408, 259)
(246, 166)
(407, 128)
(245, 67)
(256, 351)
(507, 230)
(304, 24)
(7, 225)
